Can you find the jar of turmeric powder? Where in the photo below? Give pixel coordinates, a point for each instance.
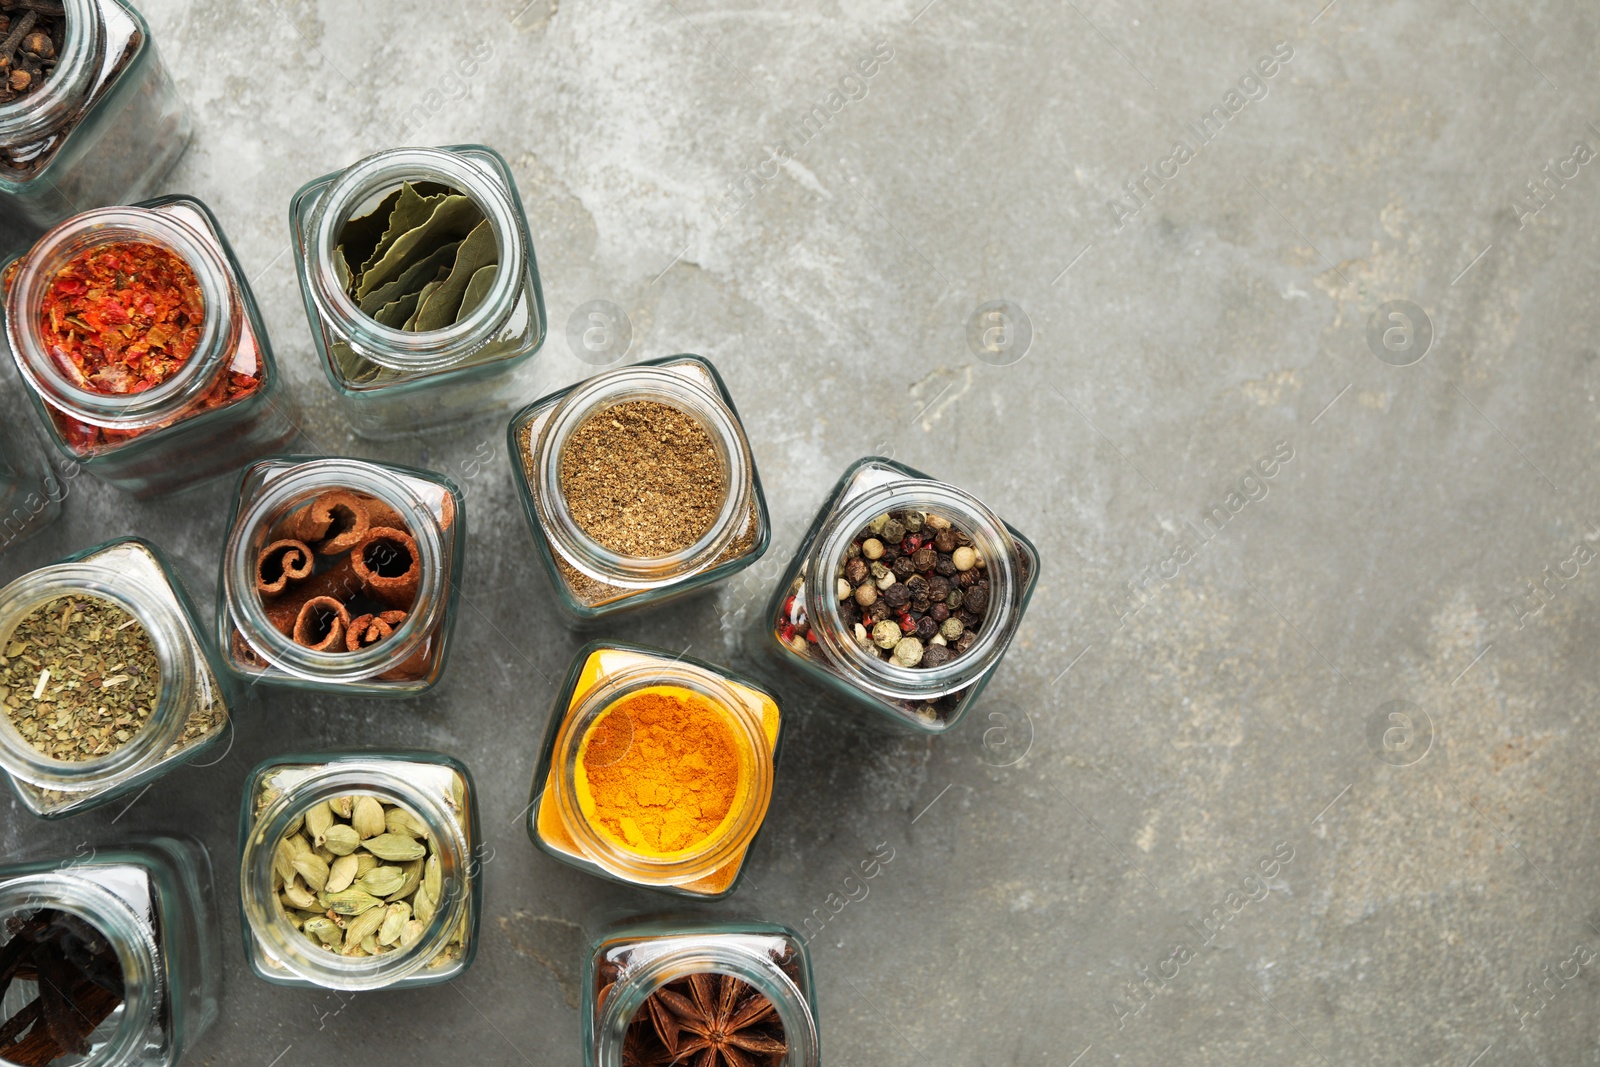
(656, 770)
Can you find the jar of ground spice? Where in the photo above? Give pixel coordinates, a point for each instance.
(143, 352)
(341, 575)
(105, 680)
(88, 113)
(904, 595)
(108, 957)
(734, 993)
(421, 286)
(656, 770)
(639, 486)
(359, 870)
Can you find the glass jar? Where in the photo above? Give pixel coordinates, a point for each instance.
(604, 674)
(591, 581)
(396, 382)
(433, 789)
(104, 128)
(808, 631)
(632, 962)
(30, 492)
(191, 711)
(148, 900)
(224, 406)
(411, 659)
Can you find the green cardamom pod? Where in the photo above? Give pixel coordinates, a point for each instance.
(342, 806)
(432, 876)
(298, 844)
(422, 905)
(283, 861)
(342, 840)
(350, 901)
(394, 847)
(369, 945)
(317, 820)
(324, 853)
(313, 870)
(401, 821)
(413, 933)
(395, 917)
(342, 872)
(298, 896)
(382, 881)
(323, 929)
(366, 861)
(367, 819)
(413, 873)
(362, 925)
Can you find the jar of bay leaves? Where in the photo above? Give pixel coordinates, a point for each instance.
(665, 992)
(125, 938)
(420, 282)
(359, 870)
(105, 680)
(96, 121)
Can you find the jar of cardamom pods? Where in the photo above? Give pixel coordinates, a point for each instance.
(420, 282)
(656, 770)
(111, 957)
(904, 595)
(106, 681)
(639, 486)
(666, 992)
(359, 870)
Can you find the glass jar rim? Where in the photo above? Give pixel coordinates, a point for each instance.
(822, 605)
(140, 599)
(392, 348)
(737, 829)
(82, 47)
(300, 484)
(37, 269)
(350, 777)
(608, 389)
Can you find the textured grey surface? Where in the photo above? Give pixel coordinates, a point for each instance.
(1064, 841)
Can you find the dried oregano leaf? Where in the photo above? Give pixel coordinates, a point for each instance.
(478, 288)
(452, 220)
(478, 250)
(412, 279)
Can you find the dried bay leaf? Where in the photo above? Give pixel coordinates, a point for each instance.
(398, 312)
(359, 236)
(410, 210)
(478, 288)
(427, 291)
(412, 279)
(341, 269)
(478, 250)
(452, 220)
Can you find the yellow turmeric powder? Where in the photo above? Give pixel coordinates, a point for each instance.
(673, 786)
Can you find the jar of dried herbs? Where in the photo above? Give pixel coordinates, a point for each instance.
(904, 595)
(421, 285)
(341, 575)
(359, 870)
(656, 770)
(141, 347)
(108, 957)
(639, 486)
(88, 113)
(105, 680)
(717, 993)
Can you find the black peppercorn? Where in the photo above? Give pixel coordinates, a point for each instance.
(855, 571)
(966, 579)
(925, 558)
(945, 566)
(966, 641)
(977, 598)
(968, 619)
(897, 595)
(939, 613)
(903, 568)
(938, 588)
(936, 656)
(876, 613)
(945, 541)
(926, 628)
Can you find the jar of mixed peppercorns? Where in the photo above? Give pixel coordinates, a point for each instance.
(729, 992)
(904, 595)
(142, 349)
(88, 114)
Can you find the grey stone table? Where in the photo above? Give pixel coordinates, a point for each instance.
(1094, 262)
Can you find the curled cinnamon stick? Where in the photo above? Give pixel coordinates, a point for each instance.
(339, 582)
(334, 521)
(379, 513)
(322, 625)
(280, 563)
(387, 565)
(370, 629)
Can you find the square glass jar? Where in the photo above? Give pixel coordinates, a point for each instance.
(103, 128)
(225, 404)
(604, 675)
(809, 630)
(630, 963)
(148, 899)
(30, 492)
(282, 798)
(191, 711)
(592, 582)
(395, 382)
(407, 655)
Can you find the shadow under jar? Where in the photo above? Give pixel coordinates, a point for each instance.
(54, 676)
(191, 393)
(339, 576)
(394, 832)
(103, 126)
(854, 609)
(633, 725)
(119, 944)
(749, 982)
(700, 504)
(394, 255)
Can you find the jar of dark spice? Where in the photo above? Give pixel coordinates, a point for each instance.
(728, 992)
(341, 575)
(421, 285)
(359, 870)
(88, 113)
(108, 957)
(143, 352)
(105, 680)
(639, 486)
(904, 595)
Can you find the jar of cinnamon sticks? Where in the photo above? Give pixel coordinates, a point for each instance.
(338, 576)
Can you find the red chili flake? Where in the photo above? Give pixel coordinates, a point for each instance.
(785, 631)
(811, 636)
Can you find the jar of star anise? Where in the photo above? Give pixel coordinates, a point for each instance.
(141, 347)
(904, 596)
(727, 992)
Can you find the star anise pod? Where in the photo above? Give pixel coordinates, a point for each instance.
(722, 1023)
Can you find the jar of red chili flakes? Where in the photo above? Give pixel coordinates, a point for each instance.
(142, 348)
